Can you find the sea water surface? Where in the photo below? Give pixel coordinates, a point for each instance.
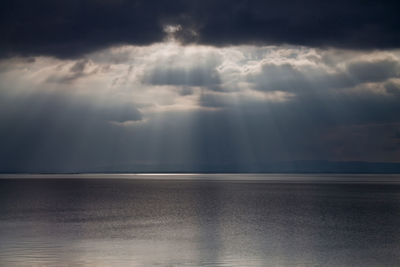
(199, 220)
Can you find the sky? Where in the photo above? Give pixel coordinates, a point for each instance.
(193, 86)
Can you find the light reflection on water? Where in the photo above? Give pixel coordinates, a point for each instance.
(138, 222)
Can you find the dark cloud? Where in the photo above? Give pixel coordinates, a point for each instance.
(397, 136)
(351, 24)
(184, 91)
(374, 71)
(53, 107)
(286, 77)
(393, 88)
(327, 109)
(72, 28)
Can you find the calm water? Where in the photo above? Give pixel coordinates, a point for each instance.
(200, 220)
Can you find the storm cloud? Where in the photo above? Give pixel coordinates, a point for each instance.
(68, 29)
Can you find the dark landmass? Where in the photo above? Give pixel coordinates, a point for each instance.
(272, 167)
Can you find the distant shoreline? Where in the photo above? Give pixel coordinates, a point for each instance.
(275, 178)
(289, 167)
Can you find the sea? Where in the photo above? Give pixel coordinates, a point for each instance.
(199, 220)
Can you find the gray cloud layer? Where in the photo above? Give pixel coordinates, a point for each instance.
(286, 77)
(171, 107)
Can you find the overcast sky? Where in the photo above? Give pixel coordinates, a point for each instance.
(118, 85)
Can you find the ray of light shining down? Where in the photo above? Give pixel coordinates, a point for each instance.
(166, 91)
(199, 133)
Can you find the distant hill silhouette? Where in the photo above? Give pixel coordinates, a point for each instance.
(269, 167)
